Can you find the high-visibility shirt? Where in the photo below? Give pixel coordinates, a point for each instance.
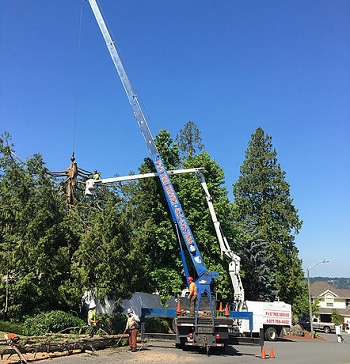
(193, 289)
(92, 316)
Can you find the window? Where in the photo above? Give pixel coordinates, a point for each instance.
(329, 300)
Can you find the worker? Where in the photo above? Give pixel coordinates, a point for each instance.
(132, 326)
(192, 296)
(96, 175)
(92, 320)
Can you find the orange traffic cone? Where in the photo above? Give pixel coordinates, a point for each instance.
(227, 313)
(178, 308)
(263, 354)
(272, 353)
(220, 307)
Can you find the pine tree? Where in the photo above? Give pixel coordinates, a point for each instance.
(262, 194)
(189, 140)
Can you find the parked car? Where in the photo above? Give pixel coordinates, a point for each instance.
(318, 325)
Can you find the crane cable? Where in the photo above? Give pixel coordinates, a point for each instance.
(77, 72)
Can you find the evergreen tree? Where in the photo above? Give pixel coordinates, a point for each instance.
(189, 140)
(261, 193)
(34, 252)
(107, 262)
(257, 278)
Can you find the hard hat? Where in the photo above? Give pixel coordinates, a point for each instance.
(190, 279)
(129, 310)
(92, 305)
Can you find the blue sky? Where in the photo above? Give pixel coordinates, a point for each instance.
(229, 66)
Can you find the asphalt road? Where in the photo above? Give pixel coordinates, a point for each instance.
(300, 351)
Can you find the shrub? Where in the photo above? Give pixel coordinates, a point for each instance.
(158, 324)
(51, 322)
(10, 326)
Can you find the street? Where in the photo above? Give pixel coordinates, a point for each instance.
(299, 351)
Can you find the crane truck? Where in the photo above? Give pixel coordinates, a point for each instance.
(205, 330)
(250, 317)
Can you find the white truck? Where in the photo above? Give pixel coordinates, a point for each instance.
(272, 317)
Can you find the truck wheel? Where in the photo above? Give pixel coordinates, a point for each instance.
(327, 329)
(270, 334)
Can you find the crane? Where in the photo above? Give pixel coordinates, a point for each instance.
(206, 332)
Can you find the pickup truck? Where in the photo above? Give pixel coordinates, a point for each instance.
(318, 325)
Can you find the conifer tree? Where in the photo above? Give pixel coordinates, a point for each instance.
(189, 140)
(34, 254)
(107, 262)
(262, 194)
(258, 277)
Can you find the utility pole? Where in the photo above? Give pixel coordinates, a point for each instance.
(310, 302)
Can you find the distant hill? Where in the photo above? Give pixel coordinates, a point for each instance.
(342, 283)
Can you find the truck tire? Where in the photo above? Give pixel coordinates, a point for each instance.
(327, 329)
(271, 334)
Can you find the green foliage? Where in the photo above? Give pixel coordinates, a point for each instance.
(12, 326)
(300, 305)
(336, 317)
(315, 306)
(112, 323)
(123, 239)
(155, 232)
(167, 149)
(261, 193)
(50, 322)
(189, 140)
(106, 260)
(158, 324)
(154, 229)
(35, 254)
(198, 215)
(258, 279)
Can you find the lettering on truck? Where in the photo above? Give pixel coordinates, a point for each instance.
(277, 318)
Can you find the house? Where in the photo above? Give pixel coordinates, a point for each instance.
(331, 298)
